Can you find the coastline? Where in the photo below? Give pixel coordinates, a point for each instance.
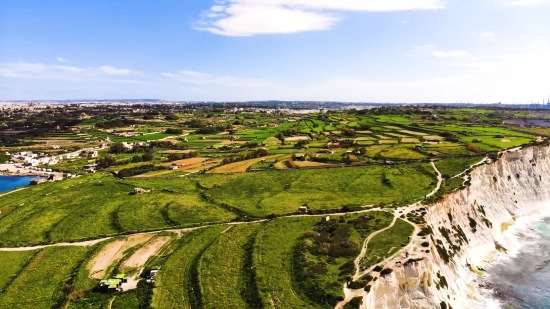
(12, 170)
(469, 231)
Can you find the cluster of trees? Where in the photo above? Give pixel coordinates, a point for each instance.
(147, 156)
(174, 131)
(262, 152)
(210, 129)
(171, 117)
(348, 132)
(115, 123)
(105, 162)
(301, 144)
(322, 246)
(138, 170)
(181, 156)
(450, 136)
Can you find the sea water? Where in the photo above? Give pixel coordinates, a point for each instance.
(521, 278)
(8, 183)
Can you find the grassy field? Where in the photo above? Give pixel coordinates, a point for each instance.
(297, 262)
(452, 167)
(273, 262)
(73, 209)
(325, 254)
(38, 286)
(12, 264)
(263, 193)
(223, 270)
(387, 243)
(174, 286)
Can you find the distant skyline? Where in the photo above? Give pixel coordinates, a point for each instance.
(239, 50)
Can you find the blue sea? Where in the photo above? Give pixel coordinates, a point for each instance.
(8, 183)
(522, 280)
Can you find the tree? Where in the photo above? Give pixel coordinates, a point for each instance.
(117, 148)
(173, 131)
(148, 156)
(106, 162)
(171, 117)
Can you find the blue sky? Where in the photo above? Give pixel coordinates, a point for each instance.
(344, 50)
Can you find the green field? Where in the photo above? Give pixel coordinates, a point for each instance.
(235, 240)
(177, 284)
(38, 286)
(273, 262)
(223, 270)
(452, 167)
(260, 194)
(387, 243)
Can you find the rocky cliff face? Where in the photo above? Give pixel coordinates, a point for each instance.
(467, 230)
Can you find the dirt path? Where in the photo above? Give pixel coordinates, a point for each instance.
(177, 231)
(395, 259)
(12, 191)
(111, 302)
(357, 261)
(439, 181)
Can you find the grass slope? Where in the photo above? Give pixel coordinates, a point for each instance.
(221, 270)
(38, 286)
(272, 259)
(387, 243)
(263, 193)
(174, 286)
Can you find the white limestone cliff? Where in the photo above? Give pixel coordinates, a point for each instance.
(467, 227)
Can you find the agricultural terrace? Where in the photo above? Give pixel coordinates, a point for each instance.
(222, 206)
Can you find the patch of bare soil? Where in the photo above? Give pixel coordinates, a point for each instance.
(140, 257)
(112, 253)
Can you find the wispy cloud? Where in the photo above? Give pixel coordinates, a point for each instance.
(199, 78)
(63, 72)
(432, 51)
(114, 71)
(254, 17)
(61, 59)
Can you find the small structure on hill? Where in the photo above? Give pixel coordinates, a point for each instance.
(150, 276)
(302, 209)
(325, 219)
(140, 191)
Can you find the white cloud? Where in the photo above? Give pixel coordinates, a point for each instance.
(524, 2)
(61, 59)
(69, 68)
(458, 54)
(199, 78)
(431, 51)
(485, 36)
(62, 72)
(114, 71)
(253, 17)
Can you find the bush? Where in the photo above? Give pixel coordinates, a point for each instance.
(173, 131)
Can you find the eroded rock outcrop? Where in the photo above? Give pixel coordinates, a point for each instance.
(467, 228)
